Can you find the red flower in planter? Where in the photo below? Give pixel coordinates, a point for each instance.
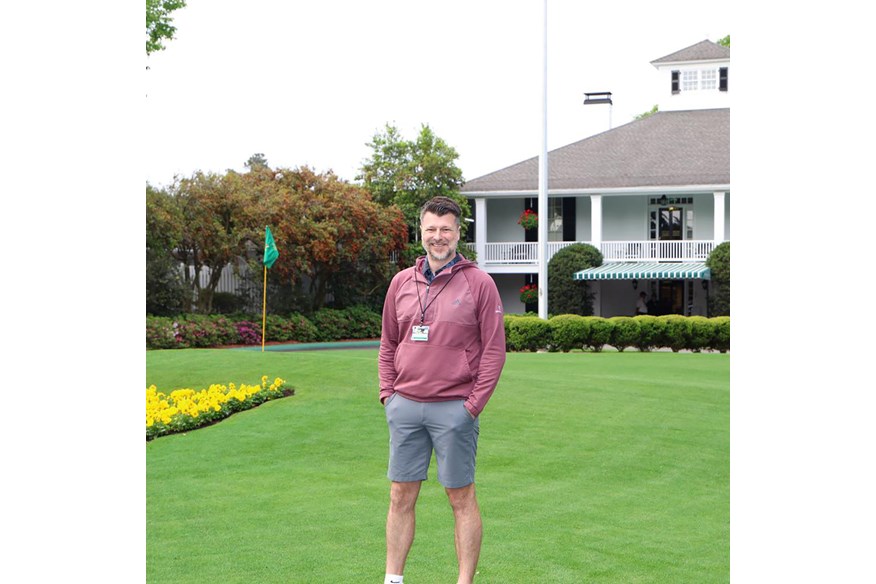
(528, 219)
(529, 294)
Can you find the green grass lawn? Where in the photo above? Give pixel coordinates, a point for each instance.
(592, 467)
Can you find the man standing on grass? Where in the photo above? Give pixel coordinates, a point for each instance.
(442, 349)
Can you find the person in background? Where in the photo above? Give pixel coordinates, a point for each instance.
(641, 305)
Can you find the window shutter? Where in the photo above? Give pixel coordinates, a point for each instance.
(723, 74)
(675, 75)
(569, 219)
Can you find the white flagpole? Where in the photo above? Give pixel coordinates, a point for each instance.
(543, 187)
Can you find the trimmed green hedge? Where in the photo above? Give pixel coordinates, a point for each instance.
(565, 332)
(568, 332)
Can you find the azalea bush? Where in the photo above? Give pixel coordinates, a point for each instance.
(249, 333)
(529, 294)
(187, 409)
(528, 219)
(355, 322)
(295, 327)
(215, 330)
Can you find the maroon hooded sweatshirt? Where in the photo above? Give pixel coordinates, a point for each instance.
(465, 351)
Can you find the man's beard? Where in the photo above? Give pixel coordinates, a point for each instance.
(451, 251)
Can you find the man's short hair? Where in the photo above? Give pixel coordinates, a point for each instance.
(441, 206)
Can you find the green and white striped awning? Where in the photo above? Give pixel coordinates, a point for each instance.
(646, 271)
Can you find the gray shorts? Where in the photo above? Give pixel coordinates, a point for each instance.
(415, 428)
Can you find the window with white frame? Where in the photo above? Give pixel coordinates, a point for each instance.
(689, 80)
(708, 79)
(696, 79)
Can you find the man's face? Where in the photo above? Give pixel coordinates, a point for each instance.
(440, 236)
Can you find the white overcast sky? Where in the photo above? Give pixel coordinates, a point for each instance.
(312, 82)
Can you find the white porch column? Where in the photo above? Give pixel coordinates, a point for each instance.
(719, 217)
(596, 221)
(481, 230)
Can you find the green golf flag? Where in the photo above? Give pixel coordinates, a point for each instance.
(271, 253)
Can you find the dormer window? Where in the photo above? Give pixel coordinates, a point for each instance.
(699, 79)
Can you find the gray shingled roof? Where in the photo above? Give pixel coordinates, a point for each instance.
(702, 51)
(678, 148)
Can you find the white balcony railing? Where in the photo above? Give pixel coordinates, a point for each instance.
(517, 253)
(657, 251)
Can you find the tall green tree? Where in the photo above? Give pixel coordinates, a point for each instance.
(220, 215)
(257, 159)
(159, 23)
(407, 173)
(166, 294)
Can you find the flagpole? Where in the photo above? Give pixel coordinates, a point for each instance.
(264, 307)
(271, 255)
(543, 209)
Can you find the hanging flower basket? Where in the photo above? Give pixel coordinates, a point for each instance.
(529, 294)
(528, 219)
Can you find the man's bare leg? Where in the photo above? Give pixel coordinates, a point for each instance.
(400, 522)
(468, 530)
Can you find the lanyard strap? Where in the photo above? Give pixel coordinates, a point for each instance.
(423, 309)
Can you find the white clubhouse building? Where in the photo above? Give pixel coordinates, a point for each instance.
(652, 195)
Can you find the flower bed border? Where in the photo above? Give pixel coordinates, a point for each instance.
(181, 421)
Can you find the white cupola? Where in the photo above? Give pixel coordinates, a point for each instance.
(697, 77)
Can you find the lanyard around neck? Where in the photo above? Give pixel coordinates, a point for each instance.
(423, 309)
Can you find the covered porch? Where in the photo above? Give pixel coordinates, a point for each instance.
(522, 257)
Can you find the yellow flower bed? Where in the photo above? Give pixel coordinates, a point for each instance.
(187, 409)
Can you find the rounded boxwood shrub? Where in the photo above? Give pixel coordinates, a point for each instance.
(651, 332)
(676, 332)
(528, 333)
(599, 332)
(701, 333)
(507, 318)
(721, 337)
(624, 332)
(568, 331)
